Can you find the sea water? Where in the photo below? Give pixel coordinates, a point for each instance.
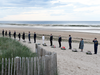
(76, 26)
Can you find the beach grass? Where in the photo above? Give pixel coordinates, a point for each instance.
(10, 48)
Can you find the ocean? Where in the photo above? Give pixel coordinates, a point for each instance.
(76, 26)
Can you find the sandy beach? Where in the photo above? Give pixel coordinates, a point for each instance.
(69, 63)
(72, 63)
(88, 37)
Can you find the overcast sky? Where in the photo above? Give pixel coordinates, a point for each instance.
(50, 10)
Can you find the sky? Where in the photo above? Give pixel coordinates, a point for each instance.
(49, 10)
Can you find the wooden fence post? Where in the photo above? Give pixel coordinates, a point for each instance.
(41, 54)
(5, 66)
(32, 65)
(18, 66)
(36, 46)
(55, 62)
(39, 63)
(47, 66)
(2, 66)
(9, 66)
(35, 66)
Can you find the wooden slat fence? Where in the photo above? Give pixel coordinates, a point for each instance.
(44, 64)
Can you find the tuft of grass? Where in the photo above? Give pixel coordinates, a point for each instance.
(10, 48)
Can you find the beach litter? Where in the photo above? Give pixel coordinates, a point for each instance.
(88, 53)
(44, 44)
(63, 48)
(53, 46)
(74, 50)
(38, 44)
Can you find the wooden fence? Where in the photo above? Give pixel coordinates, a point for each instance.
(44, 64)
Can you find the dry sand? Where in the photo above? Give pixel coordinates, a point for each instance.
(70, 63)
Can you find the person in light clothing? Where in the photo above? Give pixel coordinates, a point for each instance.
(43, 38)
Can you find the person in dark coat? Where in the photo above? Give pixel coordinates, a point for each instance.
(95, 45)
(23, 36)
(70, 41)
(14, 34)
(9, 33)
(59, 40)
(34, 37)
(19, 35)
(51, 38)
(29, 36)
(3, 32)
(6, 33)
(81, 45)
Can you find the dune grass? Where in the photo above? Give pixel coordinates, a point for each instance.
(10, 48)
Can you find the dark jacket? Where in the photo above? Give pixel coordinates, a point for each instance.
(3, 32)
(14, 34)
(9, 34)
(59, 39)
(51, 38)
(35, 35)
(70, 39)
(95, 43)
(29, 35)
(23, 36)
(6, 33)
(19, 35)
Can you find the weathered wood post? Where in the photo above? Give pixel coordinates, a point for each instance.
(36, 46)
(41, 52)
(55, 62)
(35, 66)
(18, 72)
(2, 66)
(5, 66)
(47, 67)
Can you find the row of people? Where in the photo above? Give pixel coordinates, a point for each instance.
(14, 34)
(81, 45)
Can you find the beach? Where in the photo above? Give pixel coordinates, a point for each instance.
(88, 37)
(68, 62)
(72, 63)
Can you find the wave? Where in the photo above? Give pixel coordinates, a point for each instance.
(49, 25)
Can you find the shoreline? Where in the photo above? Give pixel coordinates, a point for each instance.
(89, 30)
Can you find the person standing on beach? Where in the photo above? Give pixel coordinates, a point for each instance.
(29, 36)
(19, 35)
(95, 45)
(9, 33)
(6, 33)
(81, 45)
(14, 34)
(70, 41)
(59, 40)
(51, 38)
(23, 36)
(3, 32)
(34, 37)
(43, 38)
